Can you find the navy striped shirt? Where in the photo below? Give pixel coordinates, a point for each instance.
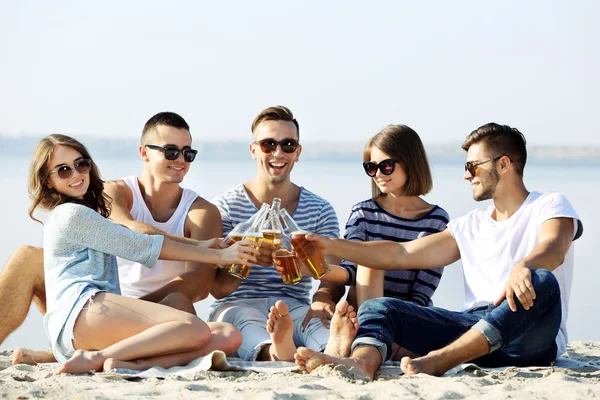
(368, 221)
(313, 214)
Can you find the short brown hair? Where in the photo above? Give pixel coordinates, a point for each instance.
(276, 113)
(39, 173)
(500, 140)
(164, 118)
(403, 145)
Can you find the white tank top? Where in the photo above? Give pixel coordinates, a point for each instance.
(137, 280)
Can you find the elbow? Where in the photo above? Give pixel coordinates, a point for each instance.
(201, 294)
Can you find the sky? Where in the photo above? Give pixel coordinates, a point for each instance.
(345, 68)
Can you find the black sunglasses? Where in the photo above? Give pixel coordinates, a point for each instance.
(386, 167)
(269, 145)
(172, 152)
(66, 171)
(471, 166)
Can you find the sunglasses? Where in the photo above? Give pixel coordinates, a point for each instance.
(269, 145)
(471, 166)
(386, 167)
(66, 171)
(172, 152)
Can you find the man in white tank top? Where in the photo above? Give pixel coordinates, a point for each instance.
(518, 262)
(153, 203)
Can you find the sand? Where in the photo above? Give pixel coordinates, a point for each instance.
(583, 382)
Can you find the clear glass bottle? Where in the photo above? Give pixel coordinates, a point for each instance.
(272, 229)
(252, 233)
(308, 253)
(292, 272)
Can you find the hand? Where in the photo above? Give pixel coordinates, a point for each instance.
(519, 284)
(322, 243)
(322, 308)
(243, 252)
(265, 256)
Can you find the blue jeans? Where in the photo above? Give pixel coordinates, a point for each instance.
(521, 338)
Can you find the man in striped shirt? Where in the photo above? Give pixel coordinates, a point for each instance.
(269, 313)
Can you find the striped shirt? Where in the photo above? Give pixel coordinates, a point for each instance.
(313, 214)
(368, 221)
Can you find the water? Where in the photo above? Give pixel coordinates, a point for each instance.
(343, 184)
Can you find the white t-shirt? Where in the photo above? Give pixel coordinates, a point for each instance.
(489, 249)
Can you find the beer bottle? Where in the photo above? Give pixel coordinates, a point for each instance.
(309, 254)
(252, 233)
(237, 233)
(292, 273)
(272, 229)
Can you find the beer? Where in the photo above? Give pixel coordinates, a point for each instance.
(272, 236)
(310, 255)
(291, 271)
(242, 271)
(229, 240)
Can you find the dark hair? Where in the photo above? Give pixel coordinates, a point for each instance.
(48, 198)
(164, 118)
(500, 140)
(403, 145)
(277, 113)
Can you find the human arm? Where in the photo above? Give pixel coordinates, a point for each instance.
(78, 226)
(434, 251)
(224, 283)
(203, 222)
(122, 201)
(369, 284)
(554, 241)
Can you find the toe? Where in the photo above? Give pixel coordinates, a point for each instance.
(341, 307)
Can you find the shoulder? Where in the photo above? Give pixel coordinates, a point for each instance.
(118, 190)
(310, 200)
(439, 213)
(472, 217)
(204, 208)
(65, 214)
(233, 195)
(202, 215)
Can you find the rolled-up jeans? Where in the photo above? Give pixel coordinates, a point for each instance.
(521, 338)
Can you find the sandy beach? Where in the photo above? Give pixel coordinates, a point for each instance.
(578, 382)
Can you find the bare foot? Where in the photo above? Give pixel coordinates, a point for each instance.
(429, 364)
(82, 361)
(308, 360)
(344, 326)
(281, 327)
(32, 357)
(113, 363)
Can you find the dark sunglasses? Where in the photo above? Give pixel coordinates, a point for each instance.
(386, 167)
(269, 145)
(172, 153)
(471, 166)
(66, 171)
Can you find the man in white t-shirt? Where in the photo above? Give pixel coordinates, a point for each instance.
(517, 261)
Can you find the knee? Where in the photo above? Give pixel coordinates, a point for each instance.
(199, 332)
(233, 336)
(180, 302)
(27, 259)
(543, 279)
(373, 306)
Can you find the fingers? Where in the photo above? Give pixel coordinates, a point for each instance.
(500, 298)
(306, 320)
(325, 322)
(510, 299)
(524, 296)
